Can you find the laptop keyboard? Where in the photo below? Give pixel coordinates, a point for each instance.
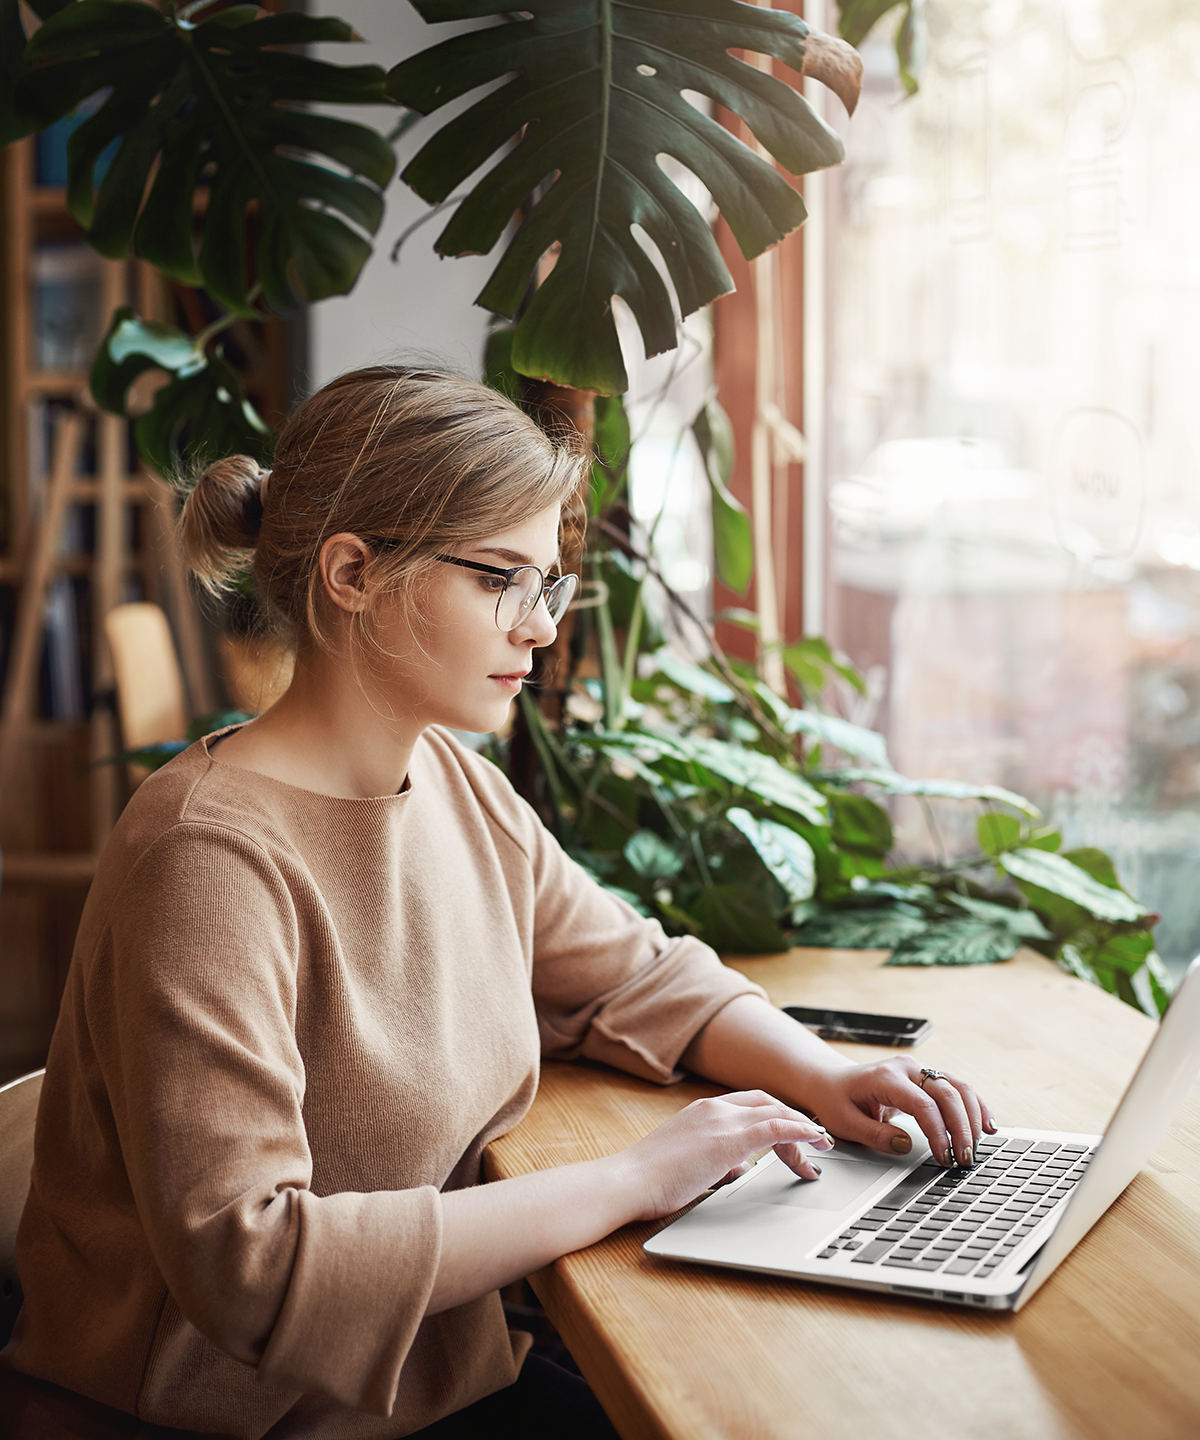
(967, 1221)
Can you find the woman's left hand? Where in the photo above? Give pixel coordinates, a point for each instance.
(856, 1102)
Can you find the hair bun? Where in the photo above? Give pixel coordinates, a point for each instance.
(222, 517)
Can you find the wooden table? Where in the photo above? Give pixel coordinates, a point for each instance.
(1108, 1350)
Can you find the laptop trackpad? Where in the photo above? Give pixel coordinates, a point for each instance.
(842, 1182)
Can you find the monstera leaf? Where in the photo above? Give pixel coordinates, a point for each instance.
(200, 413)
(594, 97)
(857, 18)
(206, 108)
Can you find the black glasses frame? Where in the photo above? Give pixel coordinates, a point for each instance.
(550, 583)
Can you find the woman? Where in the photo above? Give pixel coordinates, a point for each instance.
(324, 953)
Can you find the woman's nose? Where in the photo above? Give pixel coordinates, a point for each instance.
(539, 628)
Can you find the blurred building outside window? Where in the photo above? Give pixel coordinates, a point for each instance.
(1004, 398)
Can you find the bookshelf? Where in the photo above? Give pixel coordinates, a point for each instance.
(83, 527)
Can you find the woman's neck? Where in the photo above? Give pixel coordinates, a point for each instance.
(325, 733)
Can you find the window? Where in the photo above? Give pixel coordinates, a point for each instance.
(1009, 376)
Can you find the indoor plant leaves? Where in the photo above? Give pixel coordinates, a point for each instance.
(748, 769)
(650, 856)
(892, 784)
(881, 928)
(868, 745)
(202, 410)
(591, 95)
(736, 919)
(1058, 875)
(733, 543)
(788, 856)
(12, 65)
(211, 108)
(957, 942)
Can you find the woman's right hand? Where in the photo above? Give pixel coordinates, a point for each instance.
(714, 1141)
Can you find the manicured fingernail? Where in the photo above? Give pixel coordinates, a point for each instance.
(968, 1157)
(990, 1126)
(948, 1157)
(817, 1168)
(901, 1144)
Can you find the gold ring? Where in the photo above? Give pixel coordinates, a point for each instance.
(929, 1073)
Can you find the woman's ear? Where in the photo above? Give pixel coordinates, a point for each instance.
(344, 560)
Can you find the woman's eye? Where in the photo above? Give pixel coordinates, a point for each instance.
(493, 584)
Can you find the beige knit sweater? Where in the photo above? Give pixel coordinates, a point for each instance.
(290, 1021)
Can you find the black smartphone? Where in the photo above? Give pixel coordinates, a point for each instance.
(861, 1028)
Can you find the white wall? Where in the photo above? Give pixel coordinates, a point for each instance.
(421, 308)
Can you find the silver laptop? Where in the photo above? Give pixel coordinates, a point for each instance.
(987, 1236)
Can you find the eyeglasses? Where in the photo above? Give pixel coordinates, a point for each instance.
(524, 586)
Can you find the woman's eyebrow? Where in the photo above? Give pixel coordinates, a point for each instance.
(514, 557)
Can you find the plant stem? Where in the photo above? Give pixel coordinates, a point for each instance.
(735, 682)
(634, 634)
(698, 852)
(210, 332)
(610, 664)
(533, 718)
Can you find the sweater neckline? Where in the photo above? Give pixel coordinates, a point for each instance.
(258, 777)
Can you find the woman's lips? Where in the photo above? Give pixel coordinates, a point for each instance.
(512, 683)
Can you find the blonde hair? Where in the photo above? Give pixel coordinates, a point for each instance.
(425, 459)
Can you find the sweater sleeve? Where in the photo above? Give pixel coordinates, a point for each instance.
(608, 983)
(207, 1088)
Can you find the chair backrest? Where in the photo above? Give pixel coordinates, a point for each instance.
(18, 1110)
(148, 678)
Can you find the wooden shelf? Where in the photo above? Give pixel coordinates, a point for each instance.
(43, 869)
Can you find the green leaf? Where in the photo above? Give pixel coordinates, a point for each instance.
(786, 855)
(957, 942)
(893, 784)
(201, 412)
(997, 832)
(12, 66)
(691, 678)
(910, 47)
(214, 108)
(1059, 876)
(602, 823)
(1126, 952)
(736, 919)
(1097, 864)
(1021, 922)
(860, 824)
(857, 17)
(758, 773)
(592, 95)
(877, 929)
(733, 542)
(743, 619)
(627, 895)
(151, 757)
(833, 730)
(201, 418)
(215, 720)
(1160, 982)
(650, 856)
(810, 661)
(673, 915)
(498, 369)
(1073, 963)
(613, 442)
(747, 769)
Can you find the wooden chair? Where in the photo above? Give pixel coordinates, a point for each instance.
(35, 1409)
(148, 679)
(18, 1110)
